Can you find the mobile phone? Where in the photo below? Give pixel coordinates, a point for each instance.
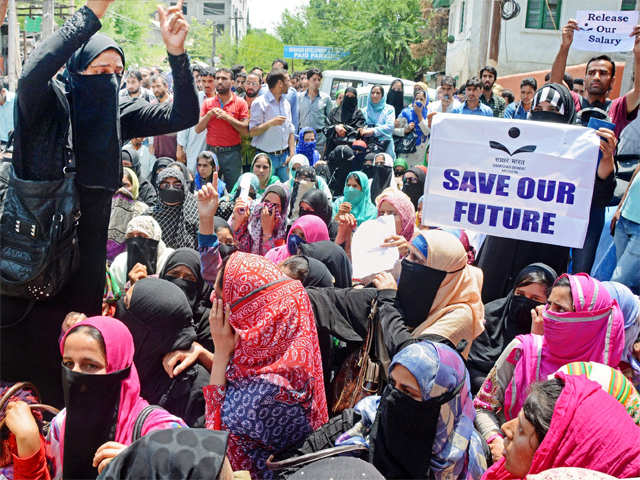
(419, 104)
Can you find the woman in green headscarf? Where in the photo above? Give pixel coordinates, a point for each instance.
(400, 167)
(261, 167)
(356, 192)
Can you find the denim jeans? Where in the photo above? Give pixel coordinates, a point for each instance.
(627, 241)
(582, 258)
(278, 166)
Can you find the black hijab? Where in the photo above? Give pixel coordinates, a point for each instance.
(340, 165)
(348, 105)
(131, 155)
(95, 116)
(185, 172)
(194, 291)
(320, 204)
(505, 318)
(185, 453)
(319, 275)
(161, 164)
(559, 96)
(160, 320)
(381, 178)
(396, 98)
(333, 257)
(414, 190)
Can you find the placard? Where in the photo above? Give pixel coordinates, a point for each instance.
(511, 178)
(605, 30)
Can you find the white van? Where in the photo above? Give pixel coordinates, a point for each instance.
(334, 80)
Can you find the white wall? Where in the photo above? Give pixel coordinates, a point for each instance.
(521, 49)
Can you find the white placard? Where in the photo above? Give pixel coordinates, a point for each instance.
(367, 256)
(511, 178)
(605, 30)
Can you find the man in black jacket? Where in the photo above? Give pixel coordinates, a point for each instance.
(88, 96)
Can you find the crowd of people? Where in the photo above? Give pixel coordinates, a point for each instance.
(213, 327)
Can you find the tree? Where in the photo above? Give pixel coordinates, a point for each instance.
(256, 49)
(434, 44)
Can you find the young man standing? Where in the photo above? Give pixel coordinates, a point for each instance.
(488, 76)
(163, 145)
(271, 126)
(472, 105)
(248, 151)
(135, 89)
(520, 110)
(225, 118)
(314, 108)
(290, 93)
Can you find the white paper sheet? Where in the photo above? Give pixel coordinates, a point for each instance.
(605, 30)
(367, 256)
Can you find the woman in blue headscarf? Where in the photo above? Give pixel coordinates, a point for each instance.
(357, 193)
(207, 164)
(413, 121)
(423, 425)
(379, 118)
(308, 147)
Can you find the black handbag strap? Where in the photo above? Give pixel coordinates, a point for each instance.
(142, 417)
(312, 457)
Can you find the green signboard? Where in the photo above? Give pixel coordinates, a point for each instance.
(33, 24)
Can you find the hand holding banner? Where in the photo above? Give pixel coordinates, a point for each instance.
(511, 178)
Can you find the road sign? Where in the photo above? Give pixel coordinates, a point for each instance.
(305, 52)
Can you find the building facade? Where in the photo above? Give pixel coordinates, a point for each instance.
(229, 16)
(528, 42)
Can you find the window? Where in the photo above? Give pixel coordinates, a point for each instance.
(220, 29)
(543, 14)
(213, 8)
(341, 84)
(462, 7)
(184, 6)
(628, 5)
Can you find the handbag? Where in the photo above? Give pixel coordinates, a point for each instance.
(405, 144)
(38, 231)
(360, 374)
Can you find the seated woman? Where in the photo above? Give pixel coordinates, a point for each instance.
(192, 454)
(424, 421)
(145, 251)
(356, 199)
(581, 323)
(297, 163)
(207, 165)
(413, 184)
(159, 165)
(413, 121)
(160, 320)
(396, 203)
(146, 191)
(400, 167)
(102, 400)
(333, 257)
(250, 184)
(307, 229)
(314, 202)
(124, 206)
(307, 145)
(176, 210)
(508, 317)
(261, 167)
(340, 162)
(630, 306)
(437, 295)
(345, 121)
(261, 227)
(272, 397)
(380, 174)
(569, 421)
(309, 271)
(304, 180)
(379, 118)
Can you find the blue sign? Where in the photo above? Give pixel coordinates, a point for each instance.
(303, 52)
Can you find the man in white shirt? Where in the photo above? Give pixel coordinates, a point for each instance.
(7, 100)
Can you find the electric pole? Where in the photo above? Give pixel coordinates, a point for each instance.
(13, 69)
(47, 18)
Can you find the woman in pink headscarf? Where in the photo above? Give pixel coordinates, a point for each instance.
(569, 421)
(581, 323)
(394, 202)
(306, 229)
(102, 400)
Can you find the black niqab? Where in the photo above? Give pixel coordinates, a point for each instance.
(95, 116)
(565, 100)
(318, 276)
(333, 257)
(194, 291)
(395, 98)
(348, 105)
(317, 200)
(193, 454)
(340, 165)
(414, 190)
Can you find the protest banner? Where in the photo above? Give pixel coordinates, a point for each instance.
(511, 178)
(605, 30)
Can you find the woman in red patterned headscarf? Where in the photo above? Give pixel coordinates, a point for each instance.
(271, 396)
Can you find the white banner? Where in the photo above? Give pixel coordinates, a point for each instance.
(605, 30)
(511, 178)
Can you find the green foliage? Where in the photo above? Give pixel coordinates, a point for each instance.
(199, 41)
(256, 49)
(378, 33)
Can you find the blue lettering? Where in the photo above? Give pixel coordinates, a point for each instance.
(566, 193)
(511, 218)
(547, 223)
(526, 187)
(486, 184)
(476, 213)
(458, 211)
(493, 214)
(503, 184)
(530, 219)
(468, 182)
(546, 189)
(450, 174)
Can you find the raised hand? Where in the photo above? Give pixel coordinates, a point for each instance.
(173, 27)
(567, 32)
